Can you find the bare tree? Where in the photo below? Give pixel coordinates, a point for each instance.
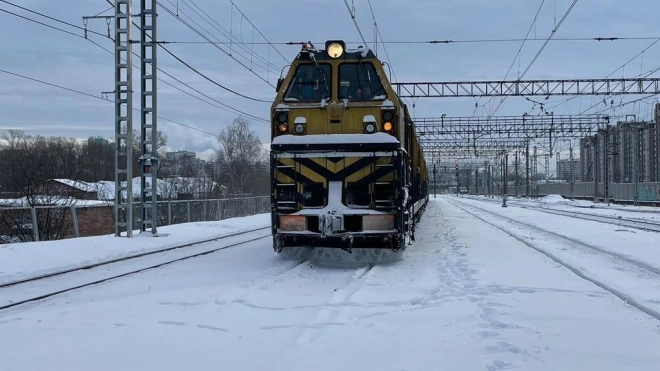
(28, 167)
(240, 149)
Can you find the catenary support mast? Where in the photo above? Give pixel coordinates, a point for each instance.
(123, 119)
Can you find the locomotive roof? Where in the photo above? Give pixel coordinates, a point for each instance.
(322, 55)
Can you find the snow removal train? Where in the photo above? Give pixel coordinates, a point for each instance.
(346, 166)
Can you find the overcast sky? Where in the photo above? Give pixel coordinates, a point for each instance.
(42, 53)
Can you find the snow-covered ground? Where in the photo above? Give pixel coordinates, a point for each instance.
(557, 202)
(30, 259)
(467, 297)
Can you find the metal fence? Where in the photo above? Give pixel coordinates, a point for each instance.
(628, 192)
(647, 193)
(43, 223)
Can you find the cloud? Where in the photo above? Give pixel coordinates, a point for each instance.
(74, 62)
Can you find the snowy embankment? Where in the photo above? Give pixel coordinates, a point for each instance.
(467, 297)
(557, 202)
(622, 260)
(30, 259)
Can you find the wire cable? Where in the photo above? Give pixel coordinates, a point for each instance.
(100, 98)
(442, 42)
(552, 33)
(207, 39)
(520, 48)
(260, 62)
(211, 80)
(43, 24)
(49, 17)
(159, 69)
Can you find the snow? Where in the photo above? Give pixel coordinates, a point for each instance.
(335, 139)
(29, 259)
(369, 118)
(552, 199)
(300, 120)
(556, 202)
(467, 296)
(388, 103)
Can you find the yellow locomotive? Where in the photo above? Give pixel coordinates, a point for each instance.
(347, 169)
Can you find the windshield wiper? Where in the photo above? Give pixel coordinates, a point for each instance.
(320, 72)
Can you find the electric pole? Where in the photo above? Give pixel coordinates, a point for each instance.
(123, 91)
(123, 118)
(148, 127)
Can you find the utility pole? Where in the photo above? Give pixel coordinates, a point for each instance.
(149, 106)
(635, 145)
(457, 183)
(527, 170)
(123, 91)
(434, 182)
(606, 157)
(505, 188)
(594, 141)
(572, 176)
(123, 118)
(516, 179)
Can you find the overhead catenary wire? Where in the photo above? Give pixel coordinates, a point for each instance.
(211, 80)
(352, 14)
(207, 39)
(441, 42)
(49, 17)
(260, 61)
(529, 30)
(159, 69)
(203, 75)
(97, 97)
(552, 33)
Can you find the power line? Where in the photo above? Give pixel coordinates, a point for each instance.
(520, 48)
(159, 69)
(54, 85)
(43, 24)
(646, 74)
(352, 14)
(552, 33)
(49, 17)
(100, 98)
(255, 27)
(224, 32)
(412, 42)
(211, 80)
(207, 39)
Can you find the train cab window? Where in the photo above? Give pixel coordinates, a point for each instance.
(359, 81)
(309, 84)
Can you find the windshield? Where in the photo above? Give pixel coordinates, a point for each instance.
(359, 81)
(307, 84)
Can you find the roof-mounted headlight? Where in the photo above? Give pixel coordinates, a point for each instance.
(335, 48)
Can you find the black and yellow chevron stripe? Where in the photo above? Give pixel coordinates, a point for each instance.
(350, 170)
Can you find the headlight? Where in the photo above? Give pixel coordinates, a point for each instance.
(335, 50)
(370, 128)
(300, 128)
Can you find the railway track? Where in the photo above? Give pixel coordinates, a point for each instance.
(635, 264)
(640, 224)
(36, 288)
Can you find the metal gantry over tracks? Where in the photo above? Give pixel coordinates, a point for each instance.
(527, 88)
(493, 138)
